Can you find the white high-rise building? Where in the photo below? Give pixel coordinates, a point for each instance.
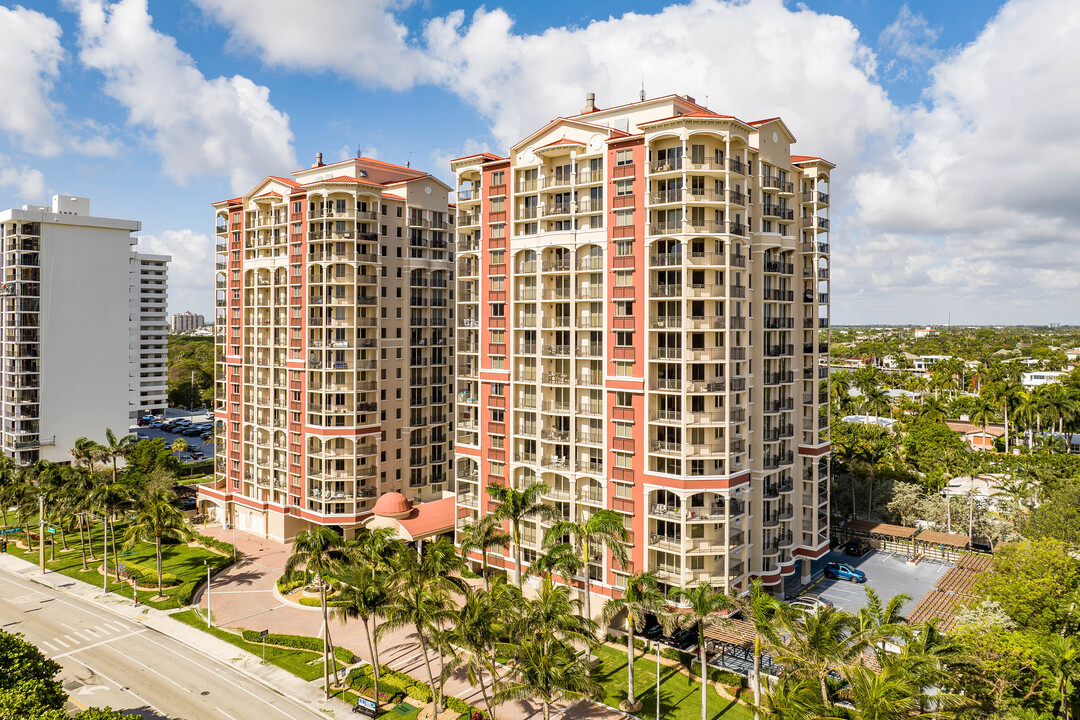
(149, 364)
(68, 312)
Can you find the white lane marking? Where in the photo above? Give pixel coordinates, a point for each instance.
(142, 664)
(72, 640)
(225, 713)
(116, 626)
(58, 641)
(48, 645)
(122, 687)
(91, 689)
(222, 677)
(84, 636)
(93, 635)
(102, 642)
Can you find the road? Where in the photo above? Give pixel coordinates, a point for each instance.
(111, 660)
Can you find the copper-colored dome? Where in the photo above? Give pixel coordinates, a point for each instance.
(392, 504)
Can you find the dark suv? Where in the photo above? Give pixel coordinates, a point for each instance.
(856, 547)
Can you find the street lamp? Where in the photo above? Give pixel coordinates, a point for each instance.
(209, 621)
(658, 681)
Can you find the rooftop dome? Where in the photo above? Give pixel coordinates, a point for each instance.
(392, 504)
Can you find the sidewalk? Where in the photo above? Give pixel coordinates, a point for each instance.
(310, 694)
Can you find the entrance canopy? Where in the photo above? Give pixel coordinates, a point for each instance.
(412, 522)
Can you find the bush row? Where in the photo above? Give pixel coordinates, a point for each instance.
(314, 602)
(219, 545)
(285, 587)
(299, 642)
(397, 684)
(147, 576)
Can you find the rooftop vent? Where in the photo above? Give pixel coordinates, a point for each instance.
(590, 103)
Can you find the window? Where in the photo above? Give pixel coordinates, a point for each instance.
(624, 338)
(624, 308)
(498, 309)
(624, 187)
(498, 178)
(624, 460)
(623, 218)
(498, 284)
(624, 278)
(497, 441)
(623, 399)
(624, 368)
(498, 336)
(496, 415)
(624, 247)
(497, 362)
(624, 429)
(496, 468)
(697, 562)
(497, 389)
(498, 231)
(498, 257)
(498, 205)
(624, 157)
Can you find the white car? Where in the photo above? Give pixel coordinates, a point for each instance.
(810, 603)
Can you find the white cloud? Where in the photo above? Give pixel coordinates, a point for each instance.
(440, 159)
(989, 169)
(191, 285)
(223, 126)
(26, 183)
(30, 54)
(911, 39)
(361, 39)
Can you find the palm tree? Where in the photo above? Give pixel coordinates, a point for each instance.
(882, 620)
(514, 506)
(8, 477)
(983, 412)
(704, 605)
(115, 448)
(873, 453)
(876, 401)
(24, 497)
(482, 536)
(156, 518)
(363, 594)
(840, 387)
(1003, 394)
(641, 596)
(933, 409)
(318, 551)
(179, 445)
(1061, 653)
(562, 559)
(602, 529)
(555, 615)
(420, 601)
(109, 498)
(480, 628)
(548, 671)
(893, 693)
(86, 452)
(760, 608)
(814, 644)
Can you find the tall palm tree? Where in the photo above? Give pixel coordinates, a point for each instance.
(79, 487)
(514, 507)
(179, 445)
(156, 518)
(603, 529)
(641, 596)
(548, 672)
(1003, 394)
(840, 387)
(877, 402)
(109, 498)
(1061, 653)
(481, 626)
(482, 536)
(86, 452)
(318, 551)
(116, 448)
(873, 453)
(364, 592)
(983, 412)
(760, 608)
(893, 693)
(704, 607)
(814, 644)
(562, 559)
(9, 473)
(933, 409)
(421, 602)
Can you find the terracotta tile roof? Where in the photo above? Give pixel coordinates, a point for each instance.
(269, 194)
(430, 517)
(561, 141)
(706, 114)
(810, 158)
(762, 122)
(230, 201)
(488, 155)
(287, 181)
(950, 539)
(343, 179)
(970, 428)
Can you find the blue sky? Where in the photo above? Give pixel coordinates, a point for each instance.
(944, 117)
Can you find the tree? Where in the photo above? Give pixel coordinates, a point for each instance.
(482, 536)
(318, 552)
(873, 454)
(514, 507)
(1034, 582)
(86, 452)
(814, 645)
(641, 596)
(603, 529)
(704, 605)
(877, 402)
(156, 518)
(363, 594)
(933, 409)
(481, 626)
(549, 672)
(561, 559)
(116, 448)
(1057, 517)
(1061, 654)
(109, 498)
(179, 445)
(760, 608)
(146, 456)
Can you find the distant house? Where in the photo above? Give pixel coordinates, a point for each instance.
(1044, 377)
(975, 436)
(925, 332)
(869, 420)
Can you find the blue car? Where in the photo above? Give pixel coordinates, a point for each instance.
(843, 571)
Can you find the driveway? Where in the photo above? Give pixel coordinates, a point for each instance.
(243, 597)
(887, 574)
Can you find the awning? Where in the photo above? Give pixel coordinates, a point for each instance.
(874, 528)
(940, 538)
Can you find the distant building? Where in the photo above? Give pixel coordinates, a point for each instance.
(76, 299)
(925, 332)
(185, 322)
(1044, 377)
(975, 435)
(869, 420)
(148, 365)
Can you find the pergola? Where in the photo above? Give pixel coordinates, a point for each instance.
(735, 640)
(880, 530)
(951, 590)
(943, 540)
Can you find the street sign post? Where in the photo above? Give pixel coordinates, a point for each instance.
(11, 530)
(51, 530)
(262, 636)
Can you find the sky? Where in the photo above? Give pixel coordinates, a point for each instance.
(954, 125)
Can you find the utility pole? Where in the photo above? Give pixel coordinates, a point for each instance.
(105, 555)
(41, 532)
(209, 621)
(191, 405)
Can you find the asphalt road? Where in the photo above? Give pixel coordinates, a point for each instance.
(111, 660)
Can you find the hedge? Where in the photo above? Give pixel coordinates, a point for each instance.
(299, 642)
(470, 575)
(358, 680)
(287, 587)
(216, 544)
(314, 602)
(391, 682)
(419, 692)
(672, 654)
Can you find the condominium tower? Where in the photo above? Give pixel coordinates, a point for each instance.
(642, 305)
(334, 344)
(185, 322)
(81, 312)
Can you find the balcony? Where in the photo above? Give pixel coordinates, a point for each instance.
(666, 290)
(777, 211)
(737, 166)
(776, 183)
(665, 259)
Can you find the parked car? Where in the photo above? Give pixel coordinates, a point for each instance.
(196, 455)
(856, 547)
(843, 571)
(684, 638)
(653, 632)
(157, 424)
(187, 503)
(810, 603)
(142, 436)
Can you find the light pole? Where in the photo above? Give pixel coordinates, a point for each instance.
(209, 622)
(105, 555)
(191, 405)
(41, 532)
(658, 681)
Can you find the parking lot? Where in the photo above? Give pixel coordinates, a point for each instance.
(887, 574)
(196, 444)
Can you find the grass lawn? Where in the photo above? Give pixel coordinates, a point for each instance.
(195, 479)
(179, 559)
(305, 664)
(680, 697)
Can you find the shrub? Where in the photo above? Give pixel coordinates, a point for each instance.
(358, 680)
(640, 644)
(146, 577)
(419, 692)
(470, 575)
(286, 587)
(314, 602)
(300, 642)
(672, 654)
(216, 544)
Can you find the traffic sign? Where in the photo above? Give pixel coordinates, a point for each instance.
(51, 529)
(11, 531)
(123, 568)
(263, 634)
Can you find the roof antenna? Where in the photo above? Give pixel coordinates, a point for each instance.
(642, 94)
(359, 150)
(408, 163)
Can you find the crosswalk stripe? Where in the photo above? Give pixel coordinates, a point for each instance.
(72, 640)
(93, 635)
(116, 625)
(50, 647)
(84, 636)
(58, 641)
